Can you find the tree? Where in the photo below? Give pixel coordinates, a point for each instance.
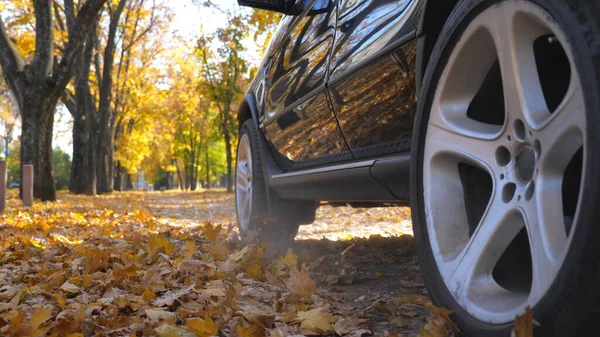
(9, 117)
(13, 162)
(103, 84)
(135, 90)
(226, 69)
(225, 72)
(38, 84)
(62, 168)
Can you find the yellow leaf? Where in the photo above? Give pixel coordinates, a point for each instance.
(43, 225)
(40, 318)
(149, 295)
(61, 300)
(316, 322)
(286, 262)
(211, 232)
(218, 250)
(439, 324)
(255, 271)
(87, 279)
(203, 327)
(190, 249)
(524, 324)
(300, 283)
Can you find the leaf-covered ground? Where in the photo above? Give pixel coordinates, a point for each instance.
(169, 264)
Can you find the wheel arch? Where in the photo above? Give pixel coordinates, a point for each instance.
(247, 110)
(302, 211)
(434, 17)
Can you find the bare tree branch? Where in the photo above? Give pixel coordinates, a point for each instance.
(109, 54)
(58, 17)
(70, 15)
(10, 59)
(97, 63)
(84, 22)
(69, 101)
(146, 30)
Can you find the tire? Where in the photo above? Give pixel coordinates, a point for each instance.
(491, 237)
(275, 230)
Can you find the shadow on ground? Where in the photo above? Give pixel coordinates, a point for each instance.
(368, 276)
(363, 259)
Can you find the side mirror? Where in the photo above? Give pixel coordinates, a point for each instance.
(280, 6)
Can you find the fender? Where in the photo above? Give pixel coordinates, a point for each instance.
(269, 165)
(433, 18)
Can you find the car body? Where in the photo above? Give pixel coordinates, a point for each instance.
(335, 99)
(479, 114)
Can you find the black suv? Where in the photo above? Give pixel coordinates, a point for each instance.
(482, 115)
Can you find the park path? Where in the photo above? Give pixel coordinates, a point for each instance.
(332, 223)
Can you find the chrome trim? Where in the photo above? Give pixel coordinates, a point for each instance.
(367, 163)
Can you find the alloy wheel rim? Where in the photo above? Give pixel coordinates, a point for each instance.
(243, 189)
(526, 159)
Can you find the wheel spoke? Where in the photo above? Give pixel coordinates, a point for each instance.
(497, 228)
(245, 204)
(561, 136)
(480, 152)
(547, 238)
(514, 34)
(241, 183)
(244, 182)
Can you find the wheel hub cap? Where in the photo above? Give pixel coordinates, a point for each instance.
(525, 164)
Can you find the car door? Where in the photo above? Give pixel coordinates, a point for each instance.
(372, 74)
(298, 119)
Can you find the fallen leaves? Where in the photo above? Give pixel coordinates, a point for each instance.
(524, 324)
(69, 288)
(106, 266)
(300, 283)
(202, 327)
(316, 322)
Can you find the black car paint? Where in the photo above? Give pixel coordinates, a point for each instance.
(338, 86)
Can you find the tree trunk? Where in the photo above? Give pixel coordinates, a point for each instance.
(207, 167)
(118, 177)
(105, 170)
(102, 182)
(37, 113)
(229, 155)
(46, 189)
(91, 164)
(179, 178)
(79, 167)
(83, 110)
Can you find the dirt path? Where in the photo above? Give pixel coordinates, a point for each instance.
(378, 267)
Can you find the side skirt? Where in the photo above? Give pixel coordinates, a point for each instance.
(377, 180)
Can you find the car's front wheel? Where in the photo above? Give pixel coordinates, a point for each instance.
(505, 166)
